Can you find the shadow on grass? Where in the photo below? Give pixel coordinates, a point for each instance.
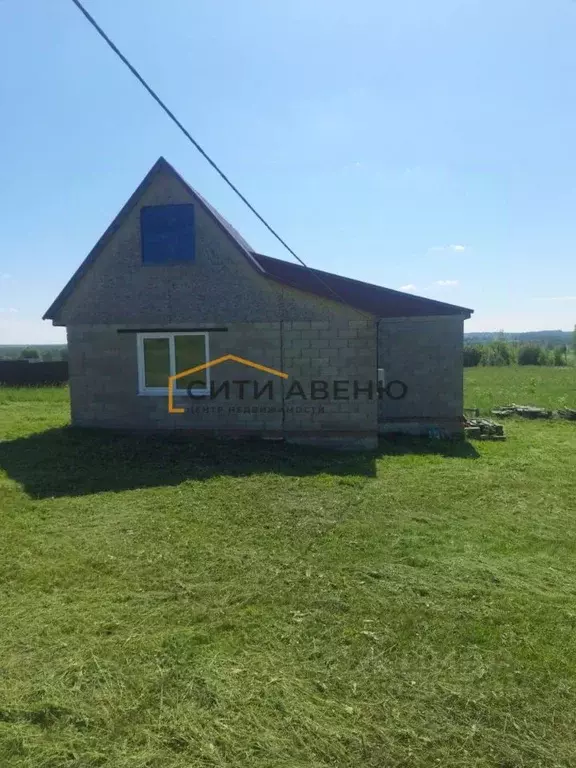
(75, 462)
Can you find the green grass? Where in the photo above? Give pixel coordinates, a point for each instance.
(545, 387)
(173, 605)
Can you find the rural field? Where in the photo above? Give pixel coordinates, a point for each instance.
(173, 605)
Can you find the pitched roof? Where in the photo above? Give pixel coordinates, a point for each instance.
(366, 297)
(160, 165)
(383, 302)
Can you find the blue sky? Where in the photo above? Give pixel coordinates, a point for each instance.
(419, 144)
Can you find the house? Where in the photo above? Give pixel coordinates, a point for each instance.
(175, 323)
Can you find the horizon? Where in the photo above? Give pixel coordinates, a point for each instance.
(424, 149)
(500, 330)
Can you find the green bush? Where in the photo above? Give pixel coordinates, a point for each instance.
(502, 352)
(472, 355)
(28, 353)
(498, 352)
(532, 354)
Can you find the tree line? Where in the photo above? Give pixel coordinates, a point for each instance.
(501, 351)
(34, 355)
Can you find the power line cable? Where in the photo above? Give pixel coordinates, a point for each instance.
(204, 154)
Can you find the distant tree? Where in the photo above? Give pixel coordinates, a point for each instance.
(47, 356)
(64, 353)
(498, 352)
(28, 353)
(531, 354)
(472, 355)
(574, 340)
(559, 355)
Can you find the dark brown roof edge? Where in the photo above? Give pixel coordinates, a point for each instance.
(317, 287)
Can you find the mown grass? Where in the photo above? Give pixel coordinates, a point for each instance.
(545, 387)
(176, 605)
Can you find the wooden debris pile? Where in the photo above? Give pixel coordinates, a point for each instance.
(479, 428)
(531, 412)
(483, 429)
(527, 411)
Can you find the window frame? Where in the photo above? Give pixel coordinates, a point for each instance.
(170, 335)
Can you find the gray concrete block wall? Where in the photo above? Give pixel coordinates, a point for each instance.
(104, 382)
(425, 354)
(343, 351)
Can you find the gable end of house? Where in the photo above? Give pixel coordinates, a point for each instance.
(368, 299)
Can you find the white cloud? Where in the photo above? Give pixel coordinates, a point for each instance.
(8, 309)
(446, 283)
(5, 276)
(556, 298)
(409, 287)
(445, 248)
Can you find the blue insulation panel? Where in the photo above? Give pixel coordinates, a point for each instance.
(167, 234)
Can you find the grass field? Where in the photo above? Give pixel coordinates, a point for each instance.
(172, 606)
(488, 387)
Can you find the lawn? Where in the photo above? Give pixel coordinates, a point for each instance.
(488, 387)
(169, 605)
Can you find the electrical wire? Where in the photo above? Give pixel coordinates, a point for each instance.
(205, 155)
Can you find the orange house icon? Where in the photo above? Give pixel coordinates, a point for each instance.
(211, 364)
